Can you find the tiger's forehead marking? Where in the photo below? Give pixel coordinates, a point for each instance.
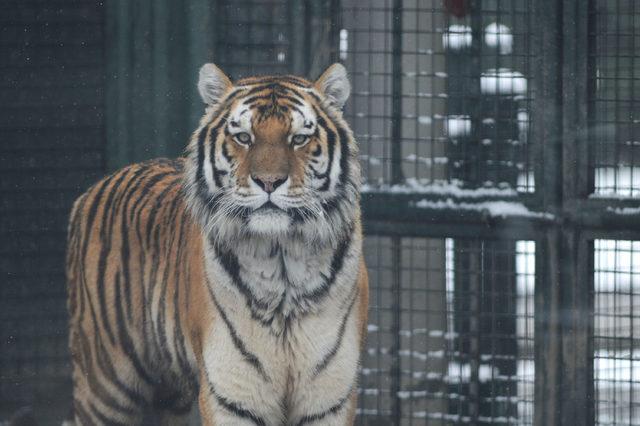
(261, 100)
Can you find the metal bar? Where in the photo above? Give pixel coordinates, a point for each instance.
(396, 177)
(576, 403)
(396, 93)
(396, 370)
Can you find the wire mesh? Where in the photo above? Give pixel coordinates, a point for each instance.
(450, 334)
(442, 93)
(616, 332)
(254, 37)
(615, 137)
(51, 148)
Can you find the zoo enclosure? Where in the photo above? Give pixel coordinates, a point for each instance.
(500, 145)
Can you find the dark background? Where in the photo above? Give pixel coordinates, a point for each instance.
(501, 184)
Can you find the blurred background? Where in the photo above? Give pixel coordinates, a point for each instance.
(500, 145)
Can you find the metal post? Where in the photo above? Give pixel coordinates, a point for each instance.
(396, 94)
(396, 178)
(576, 270)
(563, 353)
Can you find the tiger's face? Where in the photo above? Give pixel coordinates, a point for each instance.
(273, 157)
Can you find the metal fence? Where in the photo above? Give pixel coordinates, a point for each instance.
(500, 146)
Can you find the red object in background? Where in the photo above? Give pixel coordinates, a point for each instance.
(458, 8)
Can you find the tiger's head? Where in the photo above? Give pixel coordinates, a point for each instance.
(273, 158)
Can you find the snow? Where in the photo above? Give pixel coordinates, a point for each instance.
(344, 44)
(372, 328)
(457, 37)
(424, 119)
(458, 126)
(624, 210)
(616, 268)
(523, 121)
(503, 81)
(452, 188)
(499, 35)
(611, 366)
(617, 182)
(429, 161)
(372, 160)
(492, 208)
(526, 182)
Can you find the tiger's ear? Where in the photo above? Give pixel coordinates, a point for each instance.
(335, 85)
(213, 84)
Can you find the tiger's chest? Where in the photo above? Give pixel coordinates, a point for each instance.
(286, 326)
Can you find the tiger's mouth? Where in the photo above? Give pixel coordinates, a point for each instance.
(268, 206)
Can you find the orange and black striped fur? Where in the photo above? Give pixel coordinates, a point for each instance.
(233, 276)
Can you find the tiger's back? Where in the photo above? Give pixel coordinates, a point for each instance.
(132, 247)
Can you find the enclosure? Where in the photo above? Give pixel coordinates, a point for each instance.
(500, 148)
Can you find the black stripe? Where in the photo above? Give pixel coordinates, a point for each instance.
(213, 136)
(336, 266)
(344, 155)
(200, 181)
(124, 235)
(225, 154)
(251, 358)
(229, 262)
(158, 204)
(106, 233)
(98, 390)
(315, 97)
(336, 346)
(331, 144)
(81, 413)
(234, 407)
(180, 348)
(162, 305)
(104, 420)
(310, 418)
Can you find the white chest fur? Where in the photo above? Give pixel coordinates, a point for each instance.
(285, 342)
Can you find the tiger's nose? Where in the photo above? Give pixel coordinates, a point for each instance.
(269, 183)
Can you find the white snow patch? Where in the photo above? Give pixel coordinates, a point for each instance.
(523, 121)
(429, 161)
(424, 119)
(499, 35)
(372, 160)
(457, 37)
(371, 328)
(503, 81)
(612, 366)
(458, 126)
(624, 210)
(492, 208)
(616, 269)
(526, 182)
(452, 188)
(344, 43)
(617, 182)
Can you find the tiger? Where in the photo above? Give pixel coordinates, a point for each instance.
(231, 279)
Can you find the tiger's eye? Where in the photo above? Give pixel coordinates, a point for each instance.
(299, 139)
(243, 138)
